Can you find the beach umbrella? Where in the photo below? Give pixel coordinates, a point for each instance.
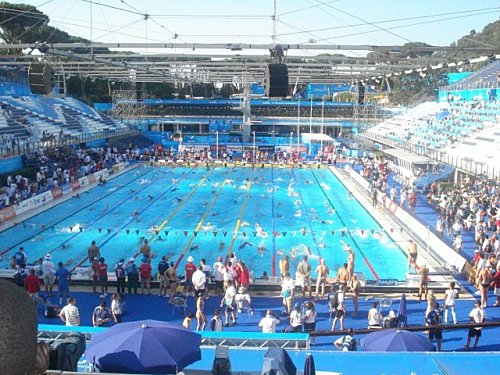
(396, 340)
(401, 316)
(309, 367)
(146, 346)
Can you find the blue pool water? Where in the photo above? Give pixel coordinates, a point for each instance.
(260, 214)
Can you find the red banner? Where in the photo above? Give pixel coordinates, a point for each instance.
(7, 213)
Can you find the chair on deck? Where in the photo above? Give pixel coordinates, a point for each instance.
(179, 302)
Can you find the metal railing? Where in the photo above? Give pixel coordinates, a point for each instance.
(465, 164)
(23, 147)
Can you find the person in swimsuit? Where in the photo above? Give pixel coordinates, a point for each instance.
(412, 253)
(322, 272)
(484, 284)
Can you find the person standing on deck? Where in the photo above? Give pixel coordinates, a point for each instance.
(322, 273)
(145, 250)
(412, 253)
(303, 276)
(93, 252)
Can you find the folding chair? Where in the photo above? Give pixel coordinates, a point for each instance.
(179, 302)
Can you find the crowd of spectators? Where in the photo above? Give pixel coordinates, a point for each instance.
(59, 166)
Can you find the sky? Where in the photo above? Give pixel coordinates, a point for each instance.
(347, 22)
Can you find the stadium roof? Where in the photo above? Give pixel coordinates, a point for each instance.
(224, 62)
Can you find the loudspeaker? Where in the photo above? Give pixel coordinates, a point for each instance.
(361, 93)
(276, 80)
(40, 78)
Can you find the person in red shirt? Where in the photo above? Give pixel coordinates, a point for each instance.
(145, 273)
(102, 275)
(189, 269)
(32, 284)
(243, 275)
(496, 285)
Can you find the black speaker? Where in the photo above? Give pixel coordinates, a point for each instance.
(361, 93)
(40, 78)
(276, 80)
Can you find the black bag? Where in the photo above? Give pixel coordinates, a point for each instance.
(65, 355)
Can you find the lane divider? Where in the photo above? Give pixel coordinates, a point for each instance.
(240, 216)
(193, 236)
(356, 245)
(48, 226)
(130, 221)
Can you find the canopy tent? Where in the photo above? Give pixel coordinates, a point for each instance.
(315, 139)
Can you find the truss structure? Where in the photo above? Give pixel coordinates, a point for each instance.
(226, 62)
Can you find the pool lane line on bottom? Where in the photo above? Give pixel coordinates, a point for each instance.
(131, 220)
(49, 226)
(205, 214)
(367, 262)
(306, 211)
(238, 221)
(174, 212)
(273, 224)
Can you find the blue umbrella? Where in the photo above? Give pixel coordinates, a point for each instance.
(395, 340)
(146, 346)
(309, 367)
(401, 317)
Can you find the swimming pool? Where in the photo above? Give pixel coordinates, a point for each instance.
(261, 214)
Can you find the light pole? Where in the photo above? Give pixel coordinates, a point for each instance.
(217, 146)
(253, 152)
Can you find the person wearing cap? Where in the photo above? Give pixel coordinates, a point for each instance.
(162, 276)
(19, 259)
(49, 274)
(390, 320)
(189, 270)
(484, 281)
(132, 276)
(284, 266)
(93, 252)
(63, 276)
(120, 276)
(145, 249)
(296, 319)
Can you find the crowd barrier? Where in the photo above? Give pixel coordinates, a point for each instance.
(208, 338)
(44, 198)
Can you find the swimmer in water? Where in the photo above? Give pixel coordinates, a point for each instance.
(242, 246)
(244, 224)
(132, 191)
(222, 245)
(178, 199)
(194, 247)
(174, 189)
(261, 249)
(160, 239)
(327, 222)
(150, 197)
(77, 196)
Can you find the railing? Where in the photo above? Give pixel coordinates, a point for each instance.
(25, 147)
(465, 164)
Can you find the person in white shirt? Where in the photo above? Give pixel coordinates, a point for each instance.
(218, 269)
(269, 323)
(477, 315)
(374, 317)
(199, 280)
(70, 314)
(49, 274)
(229, 301)
(449, 302)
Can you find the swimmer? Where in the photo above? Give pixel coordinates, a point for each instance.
(150, 197)
(144, 181)
(244, 224)
(106, 208)
(135, 213)
(349, 195)
(174, 189)
(178, 199)
(137, 198)
(261, 249)
(194, 247)
(207, 227)
(77, 196)
(132, 191)
(160, 239)
(37, 239)
(65, 246)
(222, 245)
(327, 222)
(215, 213)
(298, 213)
(245, 244)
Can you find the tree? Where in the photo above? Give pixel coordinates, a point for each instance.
(18, 20)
